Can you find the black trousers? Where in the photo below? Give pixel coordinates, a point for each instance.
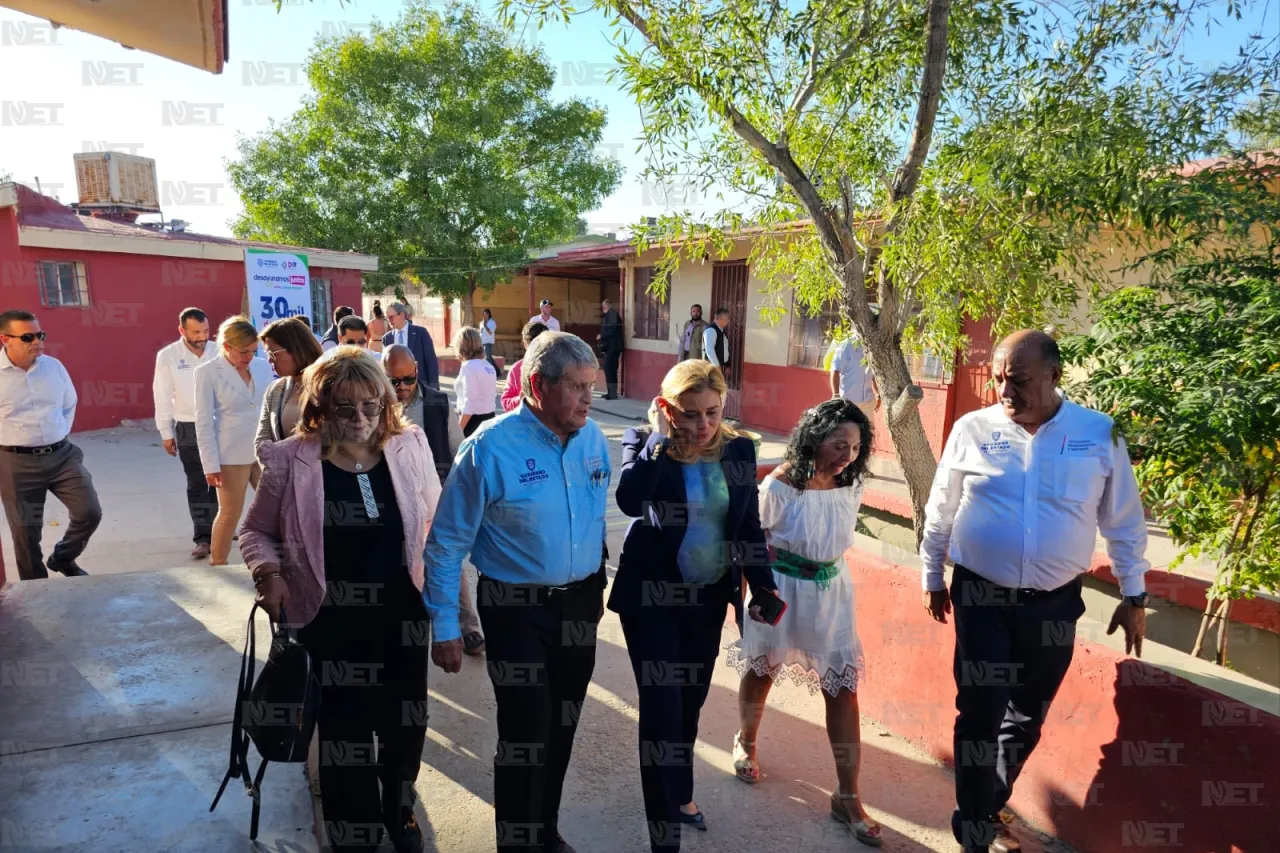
(541, 650)
(673, 652)
(476, 422)
(372, 661)
(25, 480)
(202, 499)
(612, 355)
(1013, 648)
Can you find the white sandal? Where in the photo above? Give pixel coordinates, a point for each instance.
(746, 767)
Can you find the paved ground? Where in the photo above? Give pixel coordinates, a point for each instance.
(116, 691)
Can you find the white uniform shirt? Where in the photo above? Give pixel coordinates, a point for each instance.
(709, 344)
(551, 322)
(174, 385)
(855, 379)
(488, 329)
(1024, 510)
(476, 387)
(37, 406)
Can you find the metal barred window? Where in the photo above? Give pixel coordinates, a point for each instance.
(810, 336)
(321, 305)
(63, 284)
(652, 314)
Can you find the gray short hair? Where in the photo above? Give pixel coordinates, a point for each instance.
(399, 308)
(550, 355)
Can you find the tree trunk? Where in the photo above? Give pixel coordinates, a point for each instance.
(469, 317)
(1223, 622)
(1205, 618)
(902, 413)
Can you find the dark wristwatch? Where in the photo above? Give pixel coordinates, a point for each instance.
(1139, 600)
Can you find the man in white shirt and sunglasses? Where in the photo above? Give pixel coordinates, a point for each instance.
(37, 409)
(1020, 495)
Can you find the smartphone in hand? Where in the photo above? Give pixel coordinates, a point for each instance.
(771, 607)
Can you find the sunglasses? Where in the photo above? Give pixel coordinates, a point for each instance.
(348, 412)
(29, 337)
(397, 381)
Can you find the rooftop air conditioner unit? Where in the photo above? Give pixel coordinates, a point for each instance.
(111, 179)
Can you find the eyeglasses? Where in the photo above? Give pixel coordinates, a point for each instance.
(347, 412)
(29, 337)
(397, 381)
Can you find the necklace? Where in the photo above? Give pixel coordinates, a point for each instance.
(359, 465)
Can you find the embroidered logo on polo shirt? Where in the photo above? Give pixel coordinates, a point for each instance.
(1080, 445)
(534, 474)
(995, 445)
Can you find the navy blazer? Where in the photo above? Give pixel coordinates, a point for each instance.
(651, 490)
(424, 350)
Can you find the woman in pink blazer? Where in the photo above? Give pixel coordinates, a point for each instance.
(334, 539)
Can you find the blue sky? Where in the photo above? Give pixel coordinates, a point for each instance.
(58, 77)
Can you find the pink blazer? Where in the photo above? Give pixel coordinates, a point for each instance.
(285, 523)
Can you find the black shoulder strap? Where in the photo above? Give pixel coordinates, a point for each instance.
(239, 764)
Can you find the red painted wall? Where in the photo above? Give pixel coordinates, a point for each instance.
(643, 372)
(1131, 754)
(774, 397)
(109, 348)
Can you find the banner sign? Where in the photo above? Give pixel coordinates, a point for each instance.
(279, 285)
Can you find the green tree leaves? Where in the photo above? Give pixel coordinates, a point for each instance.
(432, 143)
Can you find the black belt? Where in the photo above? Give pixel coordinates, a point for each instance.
(532, 593)
(1024, 591)
(43, 450)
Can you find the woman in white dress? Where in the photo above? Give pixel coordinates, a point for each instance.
(809, 509)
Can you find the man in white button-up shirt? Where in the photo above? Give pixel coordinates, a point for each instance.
(1021, 492)
(37, 408)
(174, 389)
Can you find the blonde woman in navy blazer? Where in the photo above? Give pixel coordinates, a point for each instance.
(691, 487)
(229, 392)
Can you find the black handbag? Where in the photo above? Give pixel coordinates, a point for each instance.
(277, 712)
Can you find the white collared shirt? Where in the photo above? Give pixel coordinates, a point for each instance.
(709, 344)
(551, 322)
(174, 386)
(476, 387)
(37, 406)
(855, 379)
(1024, 510)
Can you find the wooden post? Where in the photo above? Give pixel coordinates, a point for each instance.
(533, 299)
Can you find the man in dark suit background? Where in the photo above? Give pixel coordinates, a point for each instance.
(330, 339)
(610, 346)
(417, 339)
(425, 406)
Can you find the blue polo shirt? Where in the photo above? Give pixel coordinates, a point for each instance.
(528, 508)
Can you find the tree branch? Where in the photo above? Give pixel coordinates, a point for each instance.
(935, 65)
(815, 77)
(777, 156)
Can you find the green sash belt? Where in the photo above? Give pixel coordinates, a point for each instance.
(793, 565)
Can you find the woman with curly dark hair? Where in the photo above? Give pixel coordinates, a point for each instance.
(809, 509)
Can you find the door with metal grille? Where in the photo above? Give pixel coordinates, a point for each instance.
(729, 290)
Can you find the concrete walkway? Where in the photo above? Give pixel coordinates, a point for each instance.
(116, 693)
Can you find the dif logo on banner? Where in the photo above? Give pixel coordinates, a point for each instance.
(279, 285)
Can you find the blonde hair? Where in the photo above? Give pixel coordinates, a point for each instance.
(692, 377)
(468, 344)
(346, 367)
(238, 333)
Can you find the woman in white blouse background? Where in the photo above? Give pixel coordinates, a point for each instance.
(477, 384)
(229, 392)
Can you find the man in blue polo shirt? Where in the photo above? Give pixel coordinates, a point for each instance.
(527, 498)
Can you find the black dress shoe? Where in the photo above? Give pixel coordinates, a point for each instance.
(71, 570)
(696, 820)
(410, 839)
(561, 846)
